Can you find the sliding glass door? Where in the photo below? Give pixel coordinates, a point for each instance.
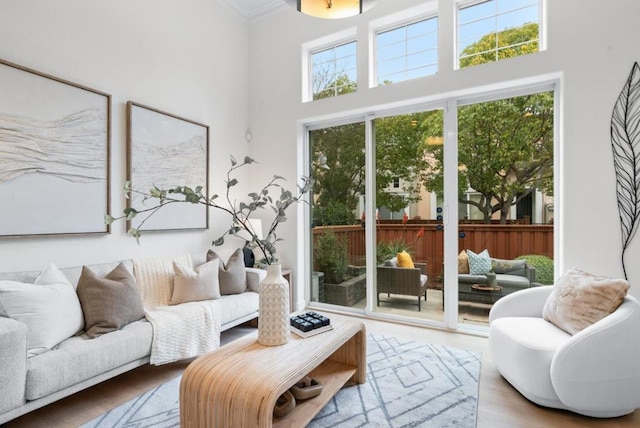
(433, 214)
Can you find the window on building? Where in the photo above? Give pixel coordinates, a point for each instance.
(493, 30)
(396, 183)
(407, 52)
(334, 70)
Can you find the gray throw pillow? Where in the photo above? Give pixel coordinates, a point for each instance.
(108, 303)
(232, 275)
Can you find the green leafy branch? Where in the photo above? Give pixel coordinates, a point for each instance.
(240, 212)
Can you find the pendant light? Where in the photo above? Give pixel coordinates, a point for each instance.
(333, 9)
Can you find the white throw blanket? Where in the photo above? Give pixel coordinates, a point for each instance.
(181, 331)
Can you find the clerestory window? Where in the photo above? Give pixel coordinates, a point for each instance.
(334, 70)
(494, 30)
(407, 52)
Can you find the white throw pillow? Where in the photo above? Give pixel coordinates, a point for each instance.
(194, 285)
(50, 308)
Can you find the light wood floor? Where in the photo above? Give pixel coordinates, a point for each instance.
(499, 406)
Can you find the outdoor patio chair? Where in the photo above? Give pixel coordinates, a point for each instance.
(403, 281)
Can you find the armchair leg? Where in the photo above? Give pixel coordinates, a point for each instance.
(419, 308)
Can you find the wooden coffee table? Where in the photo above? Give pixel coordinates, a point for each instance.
(238, 384)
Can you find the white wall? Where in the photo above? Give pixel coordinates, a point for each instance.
(591, 43)
(189, 58)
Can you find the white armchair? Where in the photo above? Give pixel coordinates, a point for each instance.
(595, 372)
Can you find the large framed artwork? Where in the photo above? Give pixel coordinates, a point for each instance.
(166, 151)
(54, 155)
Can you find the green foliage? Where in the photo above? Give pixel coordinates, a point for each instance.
(341, 85)
(386, 250)
(543, 265)
(505, 147)
(400, 152)
(331, 257)
(521, 41)
(239, 212)
(333, 213)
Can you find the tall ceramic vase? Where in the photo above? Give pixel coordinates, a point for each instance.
(273, 320)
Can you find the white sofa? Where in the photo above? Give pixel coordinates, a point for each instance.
(595, 372)
(79, 362)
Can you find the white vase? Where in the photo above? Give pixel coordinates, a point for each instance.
(273, 321)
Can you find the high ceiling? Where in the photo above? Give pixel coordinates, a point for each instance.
(255, 9)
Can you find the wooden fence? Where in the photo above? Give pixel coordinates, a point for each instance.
(504, 241)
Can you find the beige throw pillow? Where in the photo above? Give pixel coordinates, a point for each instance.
(194, 285)
(108, 303)
(580, 299)
(232, 276)
(463, 262)
(49, 308)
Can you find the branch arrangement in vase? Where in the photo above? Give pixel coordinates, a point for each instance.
(240, 212)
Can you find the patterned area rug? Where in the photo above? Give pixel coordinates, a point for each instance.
(409, 384)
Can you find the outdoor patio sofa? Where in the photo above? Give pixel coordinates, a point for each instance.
(511, 275)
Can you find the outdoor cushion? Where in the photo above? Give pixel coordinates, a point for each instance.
(512, 267)
(404, 260)
(479, 264)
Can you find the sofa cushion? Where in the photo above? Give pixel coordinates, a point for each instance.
(232, 275)
(512, 281)
(109, 302)
(50, 309)
(404, 260)
(80, 358)
(479, 264)
(511, 267)
(580, 299)
(234, 306)
(191, 285)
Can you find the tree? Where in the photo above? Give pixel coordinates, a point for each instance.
(505, 147)
(500, 45)
(400, 153)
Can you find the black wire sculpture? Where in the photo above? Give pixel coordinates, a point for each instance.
(625, 142)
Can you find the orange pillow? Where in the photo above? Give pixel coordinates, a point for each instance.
(463, 262)
(404, 260)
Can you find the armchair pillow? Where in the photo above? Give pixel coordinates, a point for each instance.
(50, 308)
(580, 299)
(404, 260)
(479, 264)
(109, 303)
(194, 285)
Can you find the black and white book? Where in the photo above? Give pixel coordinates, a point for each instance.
(313, 332)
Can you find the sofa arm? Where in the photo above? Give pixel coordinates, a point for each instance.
(13, 363)
(254, 276)
(530, 272)
(523, 303)
(598, 369)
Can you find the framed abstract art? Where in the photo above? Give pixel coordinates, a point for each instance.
(166, 151)
(54, 155)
